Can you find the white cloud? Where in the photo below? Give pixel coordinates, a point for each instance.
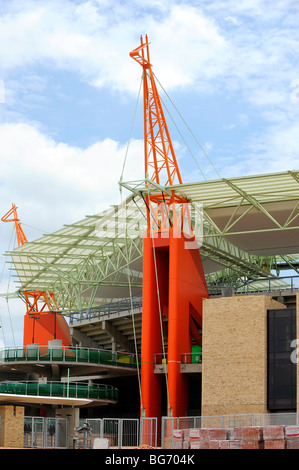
(242, 49)
(274, 151)
(54, 182)
(228, 47)
(88, 40)
(94, 38)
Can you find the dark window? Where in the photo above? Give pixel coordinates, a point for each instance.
(281, 370)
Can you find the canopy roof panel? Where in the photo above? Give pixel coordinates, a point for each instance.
(99, 258)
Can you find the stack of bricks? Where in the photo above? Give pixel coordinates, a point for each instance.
(273, 437)
(245, 437)
(206, 438)
(250, 437)
(203, 438)
(292, 437)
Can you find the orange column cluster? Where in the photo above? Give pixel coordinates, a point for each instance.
(174, 286)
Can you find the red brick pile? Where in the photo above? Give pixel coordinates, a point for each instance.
(245, 437)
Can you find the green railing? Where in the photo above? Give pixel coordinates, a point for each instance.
(186, 358)
(67, 354)
(58, 389)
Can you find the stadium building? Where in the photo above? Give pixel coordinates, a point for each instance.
(180, 301)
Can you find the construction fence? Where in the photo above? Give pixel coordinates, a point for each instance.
(169, 424)
(42, 432)
(123, 433)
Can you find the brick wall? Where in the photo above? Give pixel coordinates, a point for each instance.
(12, 426)
(234, 365)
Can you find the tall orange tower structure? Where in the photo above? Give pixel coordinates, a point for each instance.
(173, 277)
(42, 321)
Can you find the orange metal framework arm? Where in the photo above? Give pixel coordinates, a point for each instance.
(51, 324)
(158, 149)
(21, 237)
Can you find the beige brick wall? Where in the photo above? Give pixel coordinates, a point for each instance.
(234, 366)
(12, 426)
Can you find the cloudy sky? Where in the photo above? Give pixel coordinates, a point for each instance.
(68, 91)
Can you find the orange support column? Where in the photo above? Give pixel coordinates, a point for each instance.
(179, 338)
(187, 288)
(155, 265)
(179, 291)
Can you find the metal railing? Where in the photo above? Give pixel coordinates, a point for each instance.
(120, 432)
(67, 354)
(192, 358)
(125, 432)
(106, 310)
(251, 286)
(133, 432)
(59, 389)
(187, 358)
(46, 432)
(160, 358)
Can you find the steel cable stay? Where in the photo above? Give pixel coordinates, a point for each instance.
(36, 228)
(1, 323)
(126, 243)
(133, 322)
(188, 128)
(130, 136)
(156, 273)
(7, 302)
(160, 314)
(177, 128)
(12, 242)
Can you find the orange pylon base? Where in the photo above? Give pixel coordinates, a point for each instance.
(173, 285)
(44, 327)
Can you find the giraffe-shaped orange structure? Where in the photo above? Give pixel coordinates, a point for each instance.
(42, 321)
(173, 277)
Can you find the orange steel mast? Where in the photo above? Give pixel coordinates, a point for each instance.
(21, 237)
(42, 322)
(173, 277)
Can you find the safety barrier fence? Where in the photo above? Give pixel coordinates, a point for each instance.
(59, 389)
(127, 432)
(42, 432)
(187, 358)
(121, 433)
(124, 432)
(67, 354)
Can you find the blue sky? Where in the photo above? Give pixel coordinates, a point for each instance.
(69, 88)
